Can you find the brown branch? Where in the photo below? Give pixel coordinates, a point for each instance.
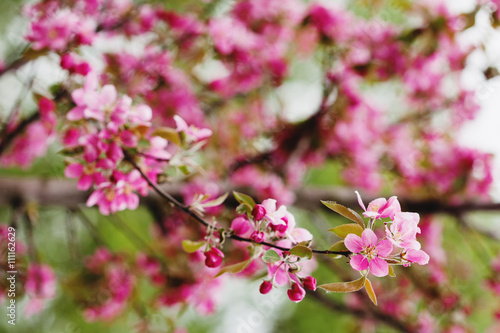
(63, 192)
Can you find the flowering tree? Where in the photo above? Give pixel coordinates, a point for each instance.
(178, 125)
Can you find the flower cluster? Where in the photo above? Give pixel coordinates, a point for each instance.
(373, 253)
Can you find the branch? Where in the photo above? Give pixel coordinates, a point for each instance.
(63, 192)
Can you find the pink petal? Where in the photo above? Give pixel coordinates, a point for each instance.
(108, 94)
(269, 205)
(354, 243)
(359, 262)
(376, 204)
(419, 257)
(384, 248)
(73, 170)
(410, 244)
(85, 182)
(360, 201)
(379, 267)
(181, 124)
(369, 238)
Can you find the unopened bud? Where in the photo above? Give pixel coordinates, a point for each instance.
(296, 293)
(257, 236)
(258, 212)
(309, 283)
(213, 257)
(265, 287)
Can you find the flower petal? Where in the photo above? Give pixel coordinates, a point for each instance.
(379, 267)
(384, 248)
(419, 257)
(360, 201)
(354, 243)
(369, 238)
(359, 262)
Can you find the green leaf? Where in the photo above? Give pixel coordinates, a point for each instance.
(371, 293)
(391, 271)
(215, 202)
(301, 251)
(244, 199)
(344, 287)
(337, 247)
(271, 256)
(236, 268)
(191, 246)
(184, 169)
(244, 209)
(345, 229)
(169, 134)
(344, 211)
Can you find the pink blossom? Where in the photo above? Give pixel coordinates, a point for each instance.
(403, 231)
(193, 133)
(369, 252)
(380, 208)
(273, 215)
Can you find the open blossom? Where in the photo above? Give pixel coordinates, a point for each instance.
(403, 231)
(273, 215)
(380, 208)
(369, 252)
(193, 133)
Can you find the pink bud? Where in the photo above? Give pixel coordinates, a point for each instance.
(83, 69)
(257, 236)
(296, 293)
(241, 225)
(309, 283)
(68, 61)
(213, 257)
(258, 212)
(265, 287)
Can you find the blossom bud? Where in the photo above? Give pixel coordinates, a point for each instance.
(257, 236)
(258, 212)
(265, 287)
(309, 283)
(241, 225)
(213, 257)
(296, 293)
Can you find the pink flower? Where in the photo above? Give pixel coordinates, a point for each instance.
(193, 133)
(403, 231)
(273, 215)
(369, 252)
(380, 208)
